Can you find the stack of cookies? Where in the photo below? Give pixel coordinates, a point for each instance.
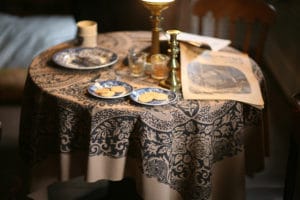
(111, 91)
(150, 96)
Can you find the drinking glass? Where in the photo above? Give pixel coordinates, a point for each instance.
(159, 68)
(137, 62)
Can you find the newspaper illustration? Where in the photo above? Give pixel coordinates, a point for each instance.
(212, 75)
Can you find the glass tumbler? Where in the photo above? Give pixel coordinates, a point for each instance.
(160, 69)
(137, 62)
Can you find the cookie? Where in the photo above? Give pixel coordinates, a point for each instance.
(108, 93)
(101, 90)
(118, 89)
(160, 96)
(146, 97)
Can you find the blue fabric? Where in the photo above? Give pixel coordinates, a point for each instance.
(22, 38)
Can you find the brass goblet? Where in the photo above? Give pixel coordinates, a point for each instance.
(156, 7)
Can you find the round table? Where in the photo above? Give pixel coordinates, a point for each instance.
(171, 148)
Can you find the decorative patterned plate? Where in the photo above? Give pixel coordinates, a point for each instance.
(169, 96)
(85, 58)
(110, 89)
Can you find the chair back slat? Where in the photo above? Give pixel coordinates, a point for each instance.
(0, 130)
(216, 27)
(232, 30)
(200, 24)
(261, 41)
(248, 36)
(245, 13)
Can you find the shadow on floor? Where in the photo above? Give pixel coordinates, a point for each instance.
(78, 189)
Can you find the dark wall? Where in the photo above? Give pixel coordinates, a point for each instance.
(35, 7)
(113, 15)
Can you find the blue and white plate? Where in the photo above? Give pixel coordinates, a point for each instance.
(171, 96)
(108, 84)
(85, 58)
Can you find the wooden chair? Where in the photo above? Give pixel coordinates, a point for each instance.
(246, 22)
(0, 130)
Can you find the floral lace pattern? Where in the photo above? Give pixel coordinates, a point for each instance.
(177, 143)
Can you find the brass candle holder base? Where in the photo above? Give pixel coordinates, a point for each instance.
(173, 81)
(175, 87)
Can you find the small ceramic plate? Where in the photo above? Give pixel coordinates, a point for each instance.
(171, 96)
(110, 89)
(85, 58)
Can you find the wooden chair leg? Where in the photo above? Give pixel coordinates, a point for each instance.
(291, 171)
(0, 130)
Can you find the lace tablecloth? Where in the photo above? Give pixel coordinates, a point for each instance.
(175, 145)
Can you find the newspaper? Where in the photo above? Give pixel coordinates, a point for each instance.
(218, 75)
(215, 44)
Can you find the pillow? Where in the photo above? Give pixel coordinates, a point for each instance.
(22, 38)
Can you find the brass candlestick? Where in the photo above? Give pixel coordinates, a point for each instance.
(173, 81)
(156, 7)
